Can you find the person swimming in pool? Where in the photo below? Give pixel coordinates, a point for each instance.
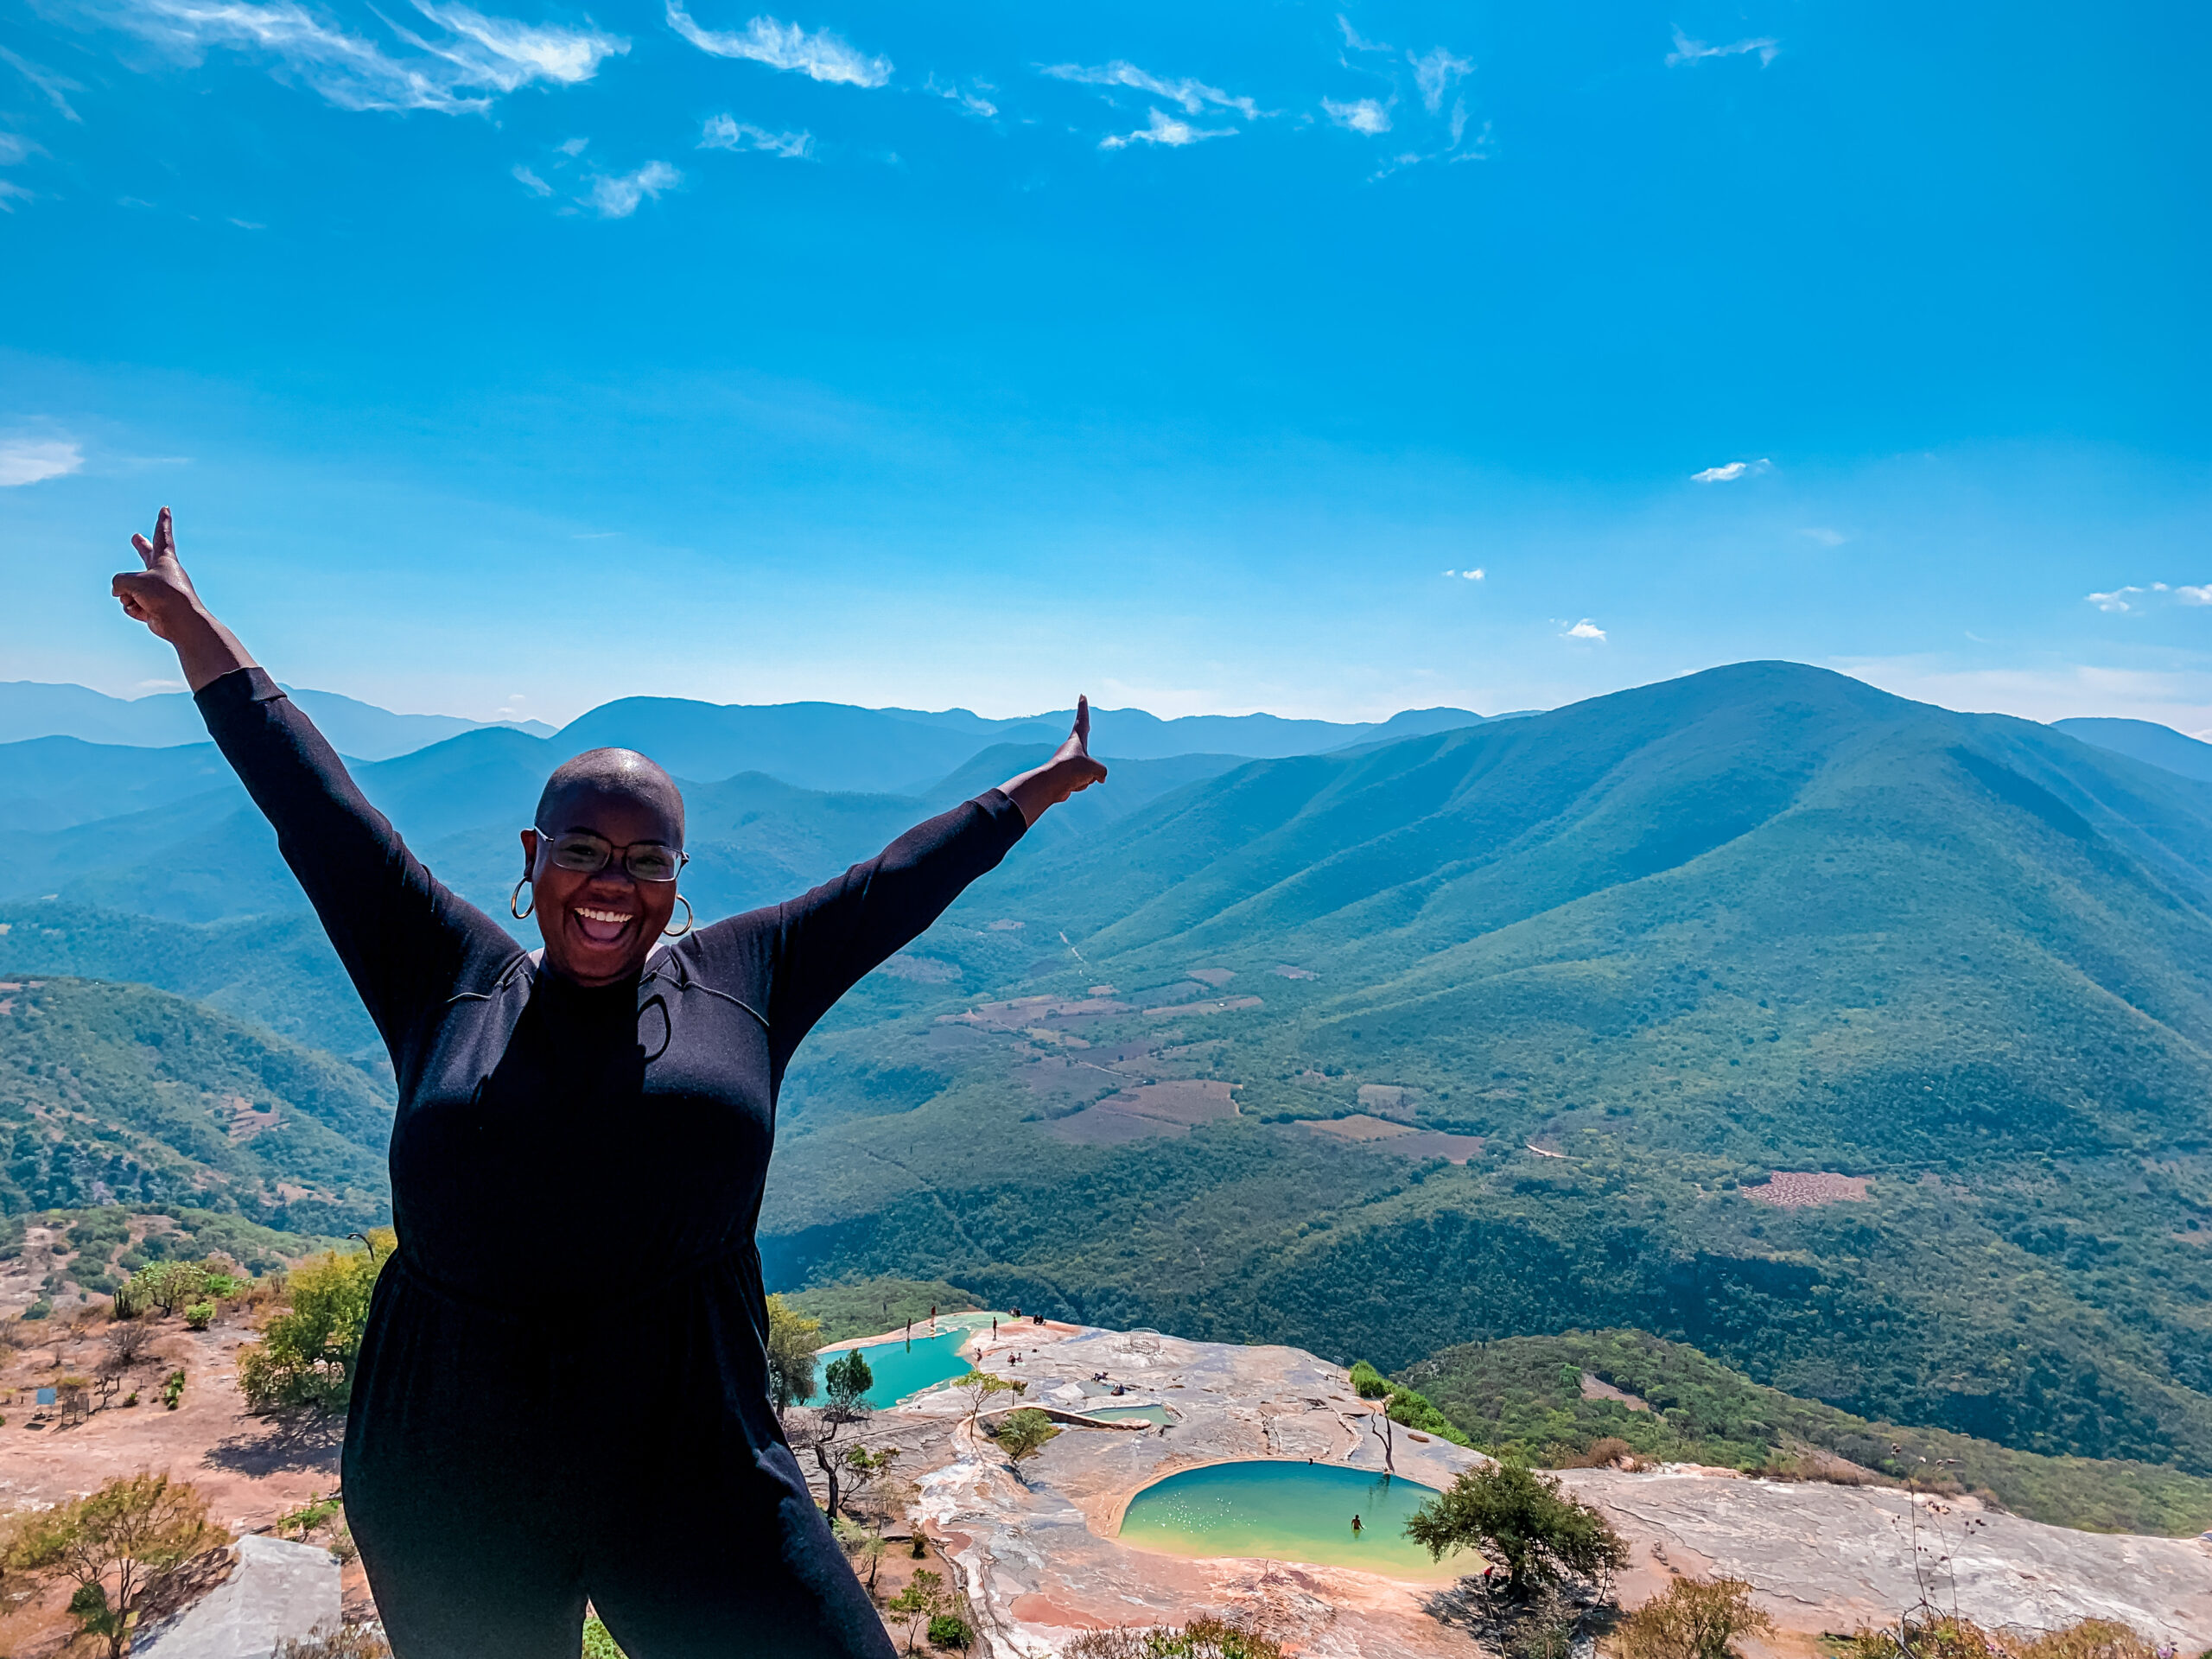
(625, 1076)
(1356, 1528)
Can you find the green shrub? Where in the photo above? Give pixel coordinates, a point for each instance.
(1368, 1382)
(950, 1631)
(1520, 1520)
(198, 1316)
(305, 1356)
(40, 1309)
(1697, 1618)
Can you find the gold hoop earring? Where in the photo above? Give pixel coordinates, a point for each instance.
(678, 932)
(515, 898)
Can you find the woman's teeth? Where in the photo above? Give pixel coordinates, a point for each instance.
(600, 926)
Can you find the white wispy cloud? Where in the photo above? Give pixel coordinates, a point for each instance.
(1434, 72)
(1689, 51)
(33, 461)
(2139, 596)
(530, 182)
(47, 81)
(1585, 629)
(1352, 38)
(1164, 128)
(1825, 537)
(1731, 472)
(617, 195)
(1466, 576)
(723, 133)
(1194, 96)
(2194, 595)
(15, 147)
(1361, 115)
(2117, 600)
(11, 192)
(973, 103)
(481, 56)
(502, 53)
(818, 56)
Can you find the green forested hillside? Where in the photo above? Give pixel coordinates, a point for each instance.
(1762, 918)
(116, 1093)
(1533, 1397)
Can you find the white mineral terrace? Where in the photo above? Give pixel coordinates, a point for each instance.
(1040, 1560)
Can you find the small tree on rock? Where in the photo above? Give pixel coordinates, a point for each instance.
(845, 1382)
(923, 1600)
(980, 1386)
(1023, 1434)
(1519, 1521)
(129, 1534)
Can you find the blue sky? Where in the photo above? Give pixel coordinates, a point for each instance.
(516, 357)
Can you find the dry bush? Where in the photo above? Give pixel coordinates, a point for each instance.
(1697, 1618)
(1202, 1638)
(1931, 1634)
(347, 1642)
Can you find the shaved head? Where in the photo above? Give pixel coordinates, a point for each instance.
(622, 773)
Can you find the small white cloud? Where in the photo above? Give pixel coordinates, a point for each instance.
(1194, 96)
(2117, 600)
(1689, 51)
(1825, 537)
(820, 56)
(1585, 629)
(11, 192)
(530, 182)
(572, 148)
(1731, 472)
(2194, 595)
(1352, 38)
(248, 224)
(1164, 128)
(1361, 115)
(1466, 576)
(15, 147)
(973, 103)
(33, 461)
(1433, 73)
(723, 133)
(617, 195)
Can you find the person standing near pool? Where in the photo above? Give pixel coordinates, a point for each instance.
(631, 1082)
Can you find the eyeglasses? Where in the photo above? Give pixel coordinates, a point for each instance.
(588, 855)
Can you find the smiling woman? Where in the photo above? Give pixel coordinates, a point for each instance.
(629, 1084)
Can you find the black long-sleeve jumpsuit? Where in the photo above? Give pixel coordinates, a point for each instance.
(562, 1392)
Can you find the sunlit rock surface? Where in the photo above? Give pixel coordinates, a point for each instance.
(1040, 1558)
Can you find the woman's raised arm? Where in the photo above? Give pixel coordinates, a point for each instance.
(403, 937)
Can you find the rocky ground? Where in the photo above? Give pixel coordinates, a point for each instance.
(1039, 1560)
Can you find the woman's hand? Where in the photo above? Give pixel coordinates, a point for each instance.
(160, 595)
(1070, 769)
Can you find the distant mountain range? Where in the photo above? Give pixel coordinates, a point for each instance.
(1493, 1029)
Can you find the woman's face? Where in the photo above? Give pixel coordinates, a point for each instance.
(598, 928)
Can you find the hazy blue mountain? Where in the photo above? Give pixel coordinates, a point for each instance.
(51, 783)
(30, 709)
(2145, 740)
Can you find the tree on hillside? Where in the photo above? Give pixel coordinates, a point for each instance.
(923, 1600)
(1697, 1618)
(116, 1543)
(305, 1356)
(1520, 1520)
(791, 1355)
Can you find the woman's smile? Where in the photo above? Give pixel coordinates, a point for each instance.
(599, 926)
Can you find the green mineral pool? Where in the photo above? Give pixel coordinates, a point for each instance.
(901, 1369)
(1287, 1511)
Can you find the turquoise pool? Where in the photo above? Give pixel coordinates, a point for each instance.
(1287, 1512)
(901, 1370)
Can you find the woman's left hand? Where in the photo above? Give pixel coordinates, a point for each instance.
(1070, 769)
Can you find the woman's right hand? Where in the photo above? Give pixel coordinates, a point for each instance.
(160, 595)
